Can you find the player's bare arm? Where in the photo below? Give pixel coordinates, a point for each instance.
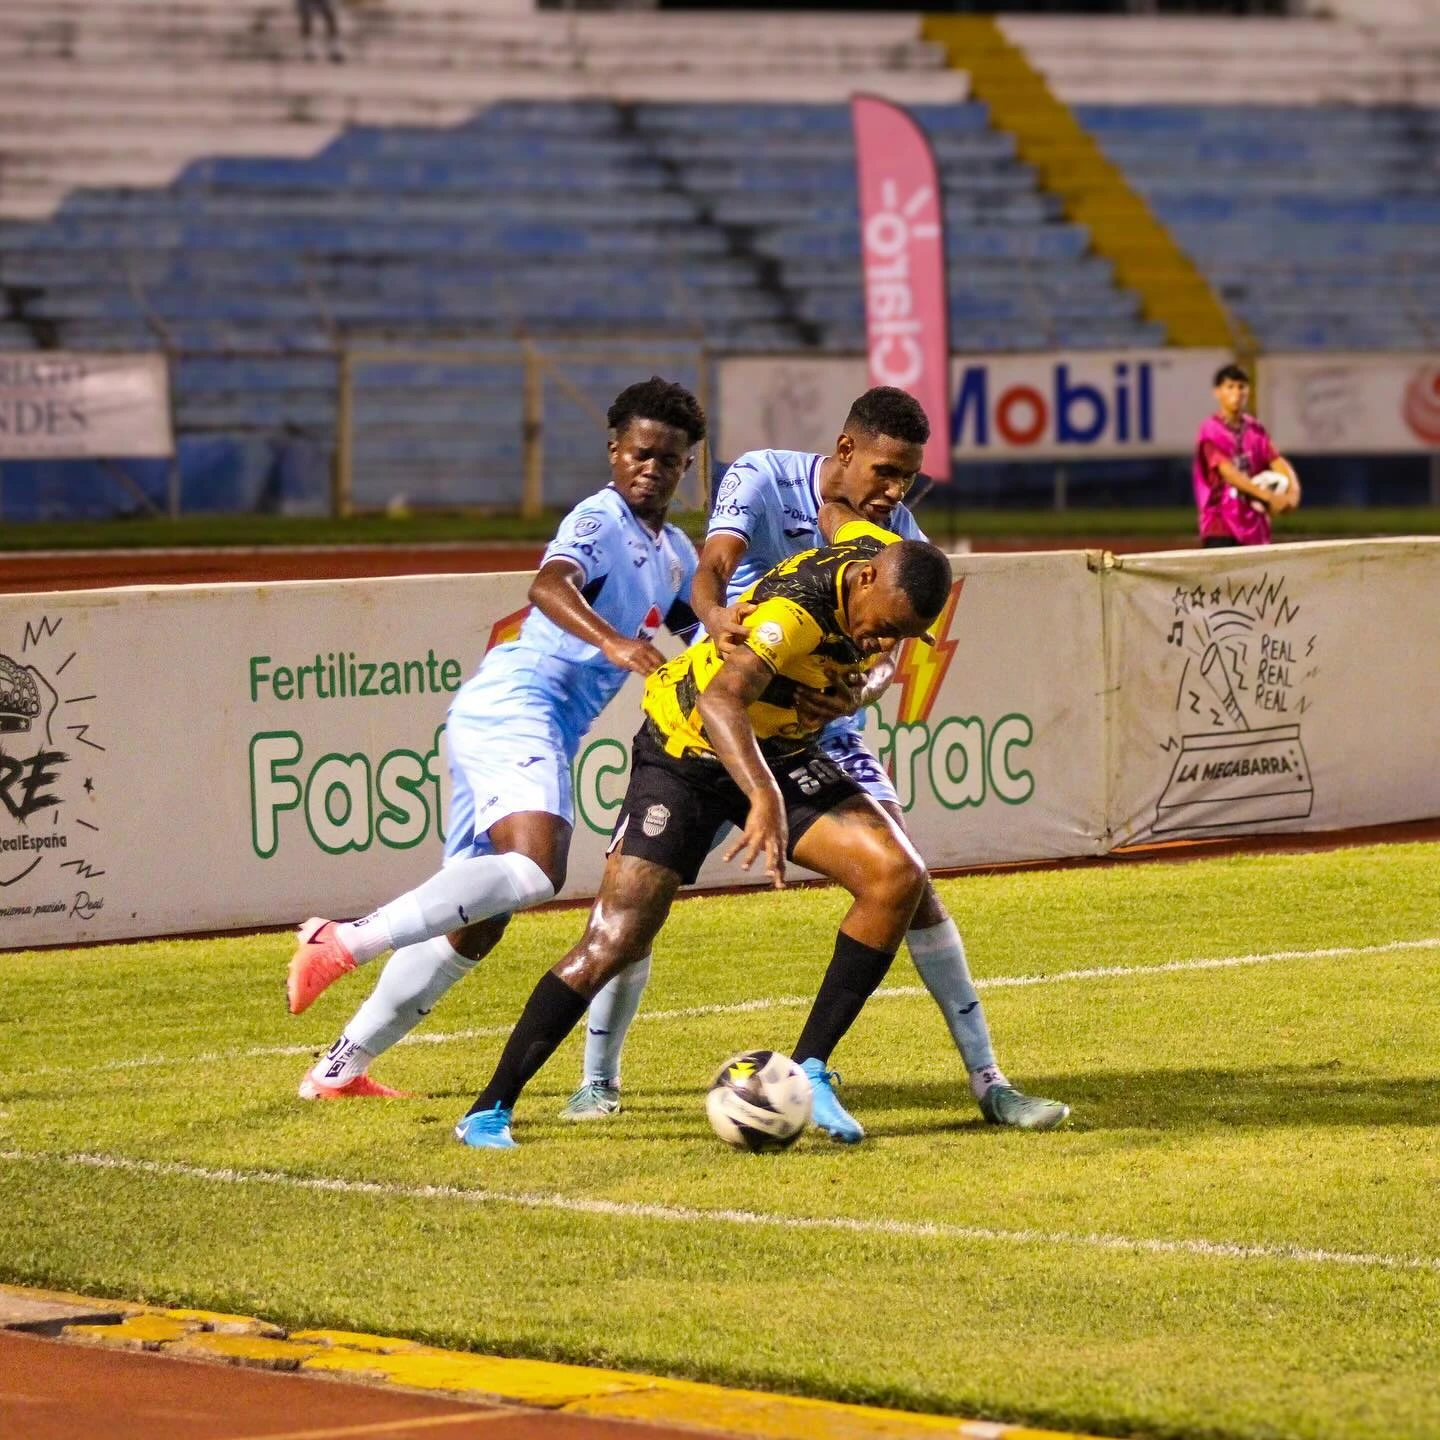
(556, 593)
(719, 558)
(741, 681)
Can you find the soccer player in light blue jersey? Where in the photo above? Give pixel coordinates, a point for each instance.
(614, 573)
(768, 507)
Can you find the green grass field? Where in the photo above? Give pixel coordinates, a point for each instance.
(1238, 1235)
(423, 529)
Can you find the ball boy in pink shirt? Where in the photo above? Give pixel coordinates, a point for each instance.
(1240, 479)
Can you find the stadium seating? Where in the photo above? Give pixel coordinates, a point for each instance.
(275, 233)
(1302, 173)
(174, 173)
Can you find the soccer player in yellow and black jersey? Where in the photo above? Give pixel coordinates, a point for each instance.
(797, 628)
(723, 743)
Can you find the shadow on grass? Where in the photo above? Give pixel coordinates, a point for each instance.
(1181, 1100)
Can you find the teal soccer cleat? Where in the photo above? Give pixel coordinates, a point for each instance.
(1005, 1105)
(828, 1113)
(486, 1130)
(594, 1100)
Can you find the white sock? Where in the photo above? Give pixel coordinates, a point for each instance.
(413, 981)
(939, 956)
(984, 1078)
(462, 893)
(611, 1014)
(343, 1061)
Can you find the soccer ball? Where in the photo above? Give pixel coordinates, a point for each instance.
(1273, 482)
(759, 1101)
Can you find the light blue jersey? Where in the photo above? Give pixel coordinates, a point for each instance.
(771, 500)
(632, 580)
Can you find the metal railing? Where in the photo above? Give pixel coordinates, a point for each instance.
(501, 426)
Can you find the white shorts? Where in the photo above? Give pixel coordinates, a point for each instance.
(847, 750)
(507, 756)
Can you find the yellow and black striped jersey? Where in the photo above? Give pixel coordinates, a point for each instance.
(797, 629)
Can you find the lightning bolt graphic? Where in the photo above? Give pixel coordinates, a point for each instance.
(506, 628)
(921, 668)
(82, 869)
(34, 634)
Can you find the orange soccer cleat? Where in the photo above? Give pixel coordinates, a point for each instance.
(319, 960)
(358, 1087)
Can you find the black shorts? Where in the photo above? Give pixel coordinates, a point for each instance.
(1218, 542)
(674, 807)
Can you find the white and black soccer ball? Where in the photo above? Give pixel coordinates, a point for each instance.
(759, 1101)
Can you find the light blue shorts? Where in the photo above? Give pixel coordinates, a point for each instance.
(847, 750)
(507, 755)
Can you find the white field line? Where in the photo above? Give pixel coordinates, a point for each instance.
(773, 1002)
(686, 1215)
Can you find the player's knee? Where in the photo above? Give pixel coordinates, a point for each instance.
(898, 877)
(476, 941)
(602, 953)
(530, 884)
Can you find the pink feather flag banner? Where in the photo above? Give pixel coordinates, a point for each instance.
(902, 244)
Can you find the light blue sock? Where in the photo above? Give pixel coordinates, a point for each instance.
(611, 1014)
(411, 984)
(939, 956)
(463, 892)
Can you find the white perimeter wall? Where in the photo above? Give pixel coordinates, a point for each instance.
(160, 772)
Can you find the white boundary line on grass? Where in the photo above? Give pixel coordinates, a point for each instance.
(686, 1215)
(777, 1002)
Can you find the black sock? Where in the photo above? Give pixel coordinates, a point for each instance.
(855, 970)
(548, 1017)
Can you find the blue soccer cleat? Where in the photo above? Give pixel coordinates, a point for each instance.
(828, 1113)
(486, 1129)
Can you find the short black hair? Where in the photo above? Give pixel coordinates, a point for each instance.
(658, 399)
(922, 571)
(1232, 371)
(888, 411)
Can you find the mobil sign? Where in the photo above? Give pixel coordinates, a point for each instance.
(1080, 404)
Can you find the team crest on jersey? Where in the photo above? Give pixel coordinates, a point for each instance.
(769, 634)
(728, 486)
(585, 525)
(650, 625)
(657, 817)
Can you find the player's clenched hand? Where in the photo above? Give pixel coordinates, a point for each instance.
(728, 630)
(766, 834)
(637, 655)
(817, 708)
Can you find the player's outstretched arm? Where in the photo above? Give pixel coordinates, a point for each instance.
(719, 557)
(555, 592)
(740, 681)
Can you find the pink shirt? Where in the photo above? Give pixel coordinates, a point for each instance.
(1224, 510)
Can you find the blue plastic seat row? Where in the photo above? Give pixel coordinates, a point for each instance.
(317, 236)
(481, 207)
(1021, 209)
(963, 147)
(759, 174)
(837, 306)
(1037, 242)
(778, 119)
